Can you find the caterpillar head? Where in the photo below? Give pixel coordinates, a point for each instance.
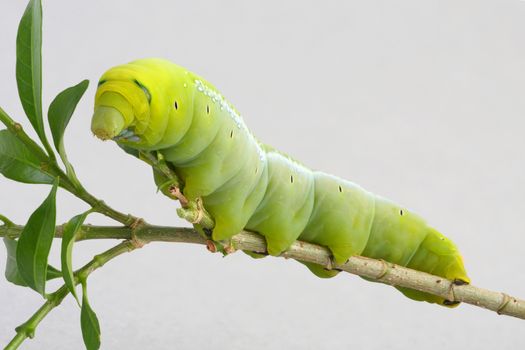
(145, 104)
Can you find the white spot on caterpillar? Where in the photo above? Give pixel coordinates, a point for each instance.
(224, 105)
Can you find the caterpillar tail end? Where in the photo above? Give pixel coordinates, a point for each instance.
(107, 123)
(437, 255)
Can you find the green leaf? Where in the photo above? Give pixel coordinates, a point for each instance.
(68, 239)
(89, 323)
(59, 114)
(29, 65)
(18, 163)
(35, 242)
(11, 269)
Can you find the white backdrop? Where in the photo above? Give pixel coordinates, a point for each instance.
(419, 101)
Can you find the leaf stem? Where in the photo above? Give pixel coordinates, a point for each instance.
(27, 329)
(49, 150)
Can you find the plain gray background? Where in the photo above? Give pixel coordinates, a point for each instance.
(419, 101)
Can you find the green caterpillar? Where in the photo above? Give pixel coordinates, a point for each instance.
(153, 104)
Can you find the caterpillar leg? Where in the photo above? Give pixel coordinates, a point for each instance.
(320, 271)
(127, 135)
(254, 254)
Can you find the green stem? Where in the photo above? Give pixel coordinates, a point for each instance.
(51, 166)
(49, 150)
(27, 329)
(145, 233)
(7, 223)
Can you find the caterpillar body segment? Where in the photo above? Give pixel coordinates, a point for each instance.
(153, 104)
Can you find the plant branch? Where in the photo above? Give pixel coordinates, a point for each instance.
(377, 270)
(51, 166)
(27, 329)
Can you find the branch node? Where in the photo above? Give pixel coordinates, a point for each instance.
(331, 264)
(504, 302)
(200, 211)
(135, 241)
(131, 220)
(196, 214)
(137, 223)
(24, 329)
(384, 269)
(229, 249)
(451, 300)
